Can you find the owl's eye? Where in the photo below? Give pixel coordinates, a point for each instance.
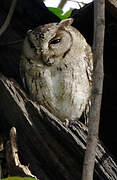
(55, 41)
(31, 43)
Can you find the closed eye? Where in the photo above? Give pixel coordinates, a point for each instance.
(31, 43)
(55, 41)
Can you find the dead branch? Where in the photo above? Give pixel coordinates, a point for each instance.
(46, 146)
(15, 168)
(9, 16)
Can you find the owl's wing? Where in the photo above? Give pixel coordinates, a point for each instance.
(89, 72)
(22, 74)
(86, 112)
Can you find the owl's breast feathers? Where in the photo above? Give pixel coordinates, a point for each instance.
(64, 90)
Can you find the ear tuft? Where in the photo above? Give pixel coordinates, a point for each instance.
(29, 31)
(66, 22)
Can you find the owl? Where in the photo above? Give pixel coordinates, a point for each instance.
(56, 67)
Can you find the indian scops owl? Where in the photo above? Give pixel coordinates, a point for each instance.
(56, 65)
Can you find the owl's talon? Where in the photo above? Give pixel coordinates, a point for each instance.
(66, 123)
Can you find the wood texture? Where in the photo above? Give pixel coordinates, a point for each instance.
(97, 89)
(45, 145)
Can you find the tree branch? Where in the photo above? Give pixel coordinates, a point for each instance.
(15, 168)
(49, 149)
(62, 3)
(98, 46)
(9, 16)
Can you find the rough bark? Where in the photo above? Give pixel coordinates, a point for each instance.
(14, 167)
(97, 89)
(45, 146)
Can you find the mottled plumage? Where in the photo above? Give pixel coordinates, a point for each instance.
(56, 65)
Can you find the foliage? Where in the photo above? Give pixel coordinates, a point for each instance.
(18, 178)
(59, 12)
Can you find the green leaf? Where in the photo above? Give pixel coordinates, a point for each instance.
(59, 12)
(67, 14)
(18, 178)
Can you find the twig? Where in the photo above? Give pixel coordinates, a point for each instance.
(8, 18)
(62, 3)
(98, 46)
(12, 42)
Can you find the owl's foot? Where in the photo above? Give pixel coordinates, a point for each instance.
(66, 123)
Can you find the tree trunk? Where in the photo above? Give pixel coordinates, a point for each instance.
(46, 149)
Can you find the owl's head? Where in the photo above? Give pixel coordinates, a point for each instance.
(50, 43)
